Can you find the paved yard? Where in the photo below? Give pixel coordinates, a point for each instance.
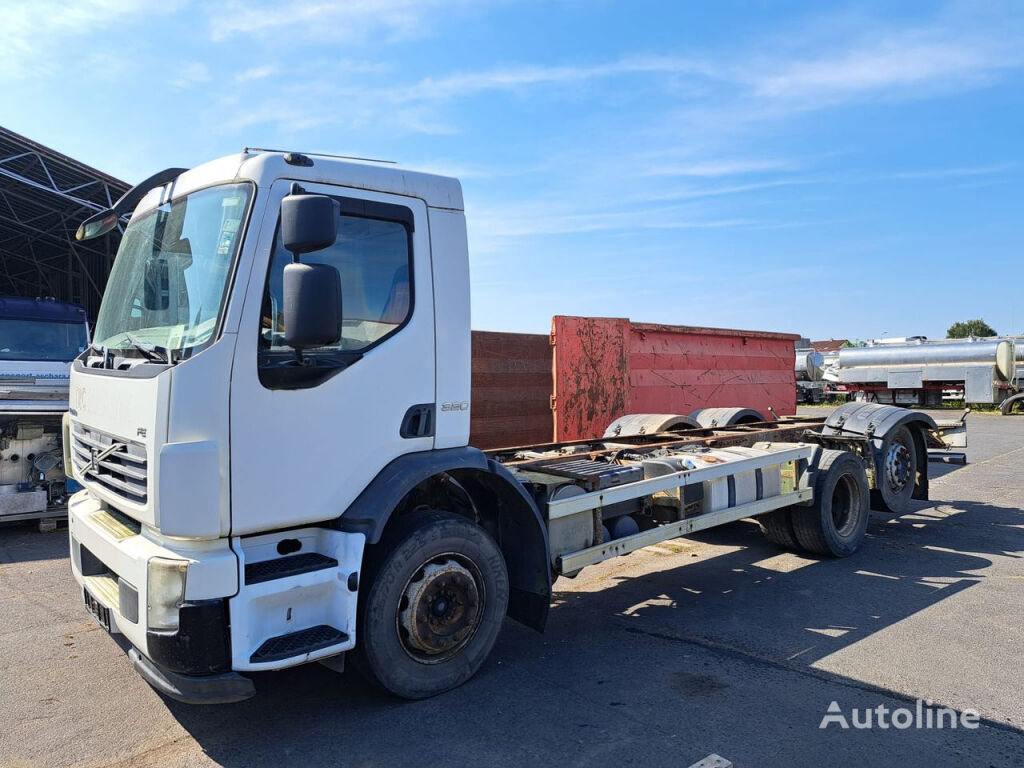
(718, 644)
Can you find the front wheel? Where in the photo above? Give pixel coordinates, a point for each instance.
(434, 595)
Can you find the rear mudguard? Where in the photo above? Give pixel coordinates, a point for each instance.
(874, 421)
(710, 418)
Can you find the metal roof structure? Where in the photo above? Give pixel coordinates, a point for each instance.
(44, 196)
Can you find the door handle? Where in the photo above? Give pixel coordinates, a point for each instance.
(418, 421)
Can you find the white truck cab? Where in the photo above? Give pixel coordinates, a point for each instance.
(197, 433)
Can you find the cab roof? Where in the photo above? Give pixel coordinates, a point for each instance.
(19, 308)
(264, 166)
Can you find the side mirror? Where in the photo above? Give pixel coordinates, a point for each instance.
(97, 224)
(309, 222)
(312, 305)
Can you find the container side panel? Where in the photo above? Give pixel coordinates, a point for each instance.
(591, 374)
(511, 389)
(678, 370)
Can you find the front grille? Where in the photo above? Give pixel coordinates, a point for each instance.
(118, 465)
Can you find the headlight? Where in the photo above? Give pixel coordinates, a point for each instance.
(165, 592)
(65, 428)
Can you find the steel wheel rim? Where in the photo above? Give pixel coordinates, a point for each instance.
(897, 466)
(441, 609)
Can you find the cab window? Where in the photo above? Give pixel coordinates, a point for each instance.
(373, 256)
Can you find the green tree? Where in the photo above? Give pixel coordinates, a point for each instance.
(970, 328)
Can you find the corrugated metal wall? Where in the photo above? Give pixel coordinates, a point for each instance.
(511, 389)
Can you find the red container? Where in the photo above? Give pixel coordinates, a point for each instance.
(607, 367)
(603, 368)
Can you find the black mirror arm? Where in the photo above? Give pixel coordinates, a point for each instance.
(297, 189)
(128, 201)
(131, 198)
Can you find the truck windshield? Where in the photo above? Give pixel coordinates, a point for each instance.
(170, 277)
(41, 340)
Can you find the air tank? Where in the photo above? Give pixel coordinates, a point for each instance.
(999, 353)
(809, 365)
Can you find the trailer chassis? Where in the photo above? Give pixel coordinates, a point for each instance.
(792, 441)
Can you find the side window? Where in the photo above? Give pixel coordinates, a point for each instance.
(374, 258)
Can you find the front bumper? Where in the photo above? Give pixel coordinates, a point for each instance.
(224, 688)
(109, 559)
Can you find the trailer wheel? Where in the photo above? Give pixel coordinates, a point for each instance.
(895, 472)
(1012, 404)
(835, 523)
(433, 599)
(777, 527)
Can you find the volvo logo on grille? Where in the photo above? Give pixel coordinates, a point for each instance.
(79, 398)
(96, 456)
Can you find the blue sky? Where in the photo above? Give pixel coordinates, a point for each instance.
(843, 170)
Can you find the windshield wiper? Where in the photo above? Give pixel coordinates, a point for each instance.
(106, 358)
(152, 352)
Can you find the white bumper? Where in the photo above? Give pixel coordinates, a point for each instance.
(124, 549)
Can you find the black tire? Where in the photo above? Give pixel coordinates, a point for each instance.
(1013, 404)
(895, 472)
(777, 527)
(835, 523)
(429, 561)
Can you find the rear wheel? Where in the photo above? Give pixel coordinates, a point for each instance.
(895, 472)
(777, 527)
(434, 596)
(835, 523)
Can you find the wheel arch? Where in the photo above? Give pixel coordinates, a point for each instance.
(875, 421)
(498, 502)
(710, 418)
(649, 423)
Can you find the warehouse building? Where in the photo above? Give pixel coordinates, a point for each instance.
(44, 196)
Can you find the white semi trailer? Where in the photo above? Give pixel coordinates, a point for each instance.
(272, 430)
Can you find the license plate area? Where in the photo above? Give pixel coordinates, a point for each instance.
(99, 611)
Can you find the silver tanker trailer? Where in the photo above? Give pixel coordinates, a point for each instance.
(975, 370)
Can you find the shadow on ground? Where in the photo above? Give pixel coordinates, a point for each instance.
(716, 654)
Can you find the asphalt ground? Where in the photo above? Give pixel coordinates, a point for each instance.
(716, 644)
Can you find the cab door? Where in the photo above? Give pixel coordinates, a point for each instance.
(306, 439)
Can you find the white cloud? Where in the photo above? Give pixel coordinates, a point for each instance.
(344, 20)
(255, 73)
(462, 85)
(30, 32)
(716, 168)
(901, 60)
(963, 171)
(187, 75)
